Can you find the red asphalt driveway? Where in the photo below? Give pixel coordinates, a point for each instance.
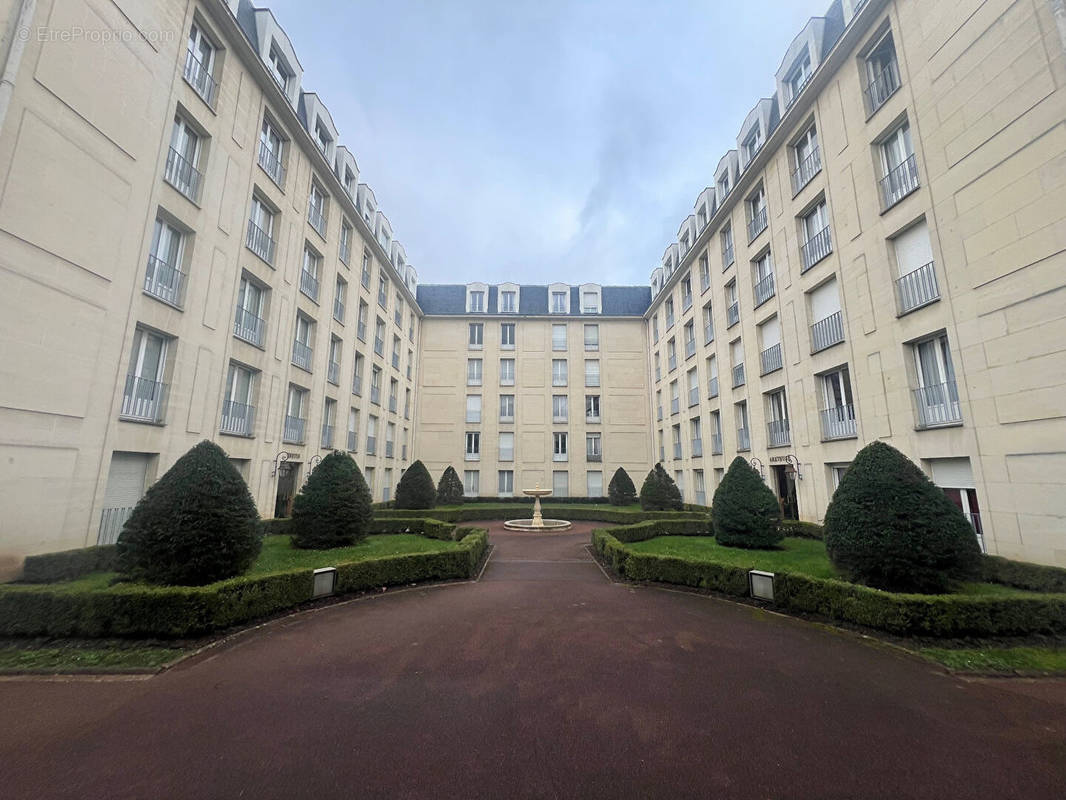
(542, 680)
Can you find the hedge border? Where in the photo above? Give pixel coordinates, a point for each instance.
(67, 565)
(487, 512)
(125, 610)
(940, 616)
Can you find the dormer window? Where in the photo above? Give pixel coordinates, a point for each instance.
(723, 185)
(368, 213)
(590, 303)
(684, 244)
(799, 75)
(701, 218)
(753, 143)
(477, 302)
(558, 302)
(508, 302)
(279, 69)
(349, 181)
(322, 138)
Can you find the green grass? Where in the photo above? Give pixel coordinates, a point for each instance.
(1043, 660)
(803, 556)
(101, 656)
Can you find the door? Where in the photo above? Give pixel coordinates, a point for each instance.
(786, 492)
(287, 483)
(126, 480)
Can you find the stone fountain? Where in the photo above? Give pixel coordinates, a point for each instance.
(538, 523)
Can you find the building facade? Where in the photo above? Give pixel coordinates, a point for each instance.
(194, 256)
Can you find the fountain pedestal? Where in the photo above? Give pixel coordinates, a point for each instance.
(538, 523)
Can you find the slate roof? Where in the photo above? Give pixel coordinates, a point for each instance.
(616, 301)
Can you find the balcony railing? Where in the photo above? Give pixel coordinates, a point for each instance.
(672, 362)
(882, 86)
(917, 288)
(816, 248)
(379, 345)
(716, 444)
(727, 256)
(594, 457)
(164, 281)
(309, 284)
(697, 448)
(677, 451)
(271, 164)
(182, 175)
(293, 432)
(838, 422)
(743, 439)
(806, 170)
(675, 405)
(732, 314)
(778, 432)
(301, 355)
(392, 404)
(669, 321)
(112, 521)
(327, 435)
(338, 309)
(143, 399)
(357, 384)
(248, 326)
(764, 290)
(900, 182)
(199, 78)
(693, 396)
(708, 333)
(712, 386)
(686, 302)
(317, 218)
(260, 243)
(333, 373)
(353, 441)
(360, 330)
(371, 445)
(757, 224)
(659, 413)
(690, 348)
(738, 375)
(827, 332)
(375, 395)
(938, 404)
(237, 418)
(770, 359)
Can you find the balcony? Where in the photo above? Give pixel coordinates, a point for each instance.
(199, 78)
(594, 458)
(237, 418)
(371, 445)
(757, 224)
(815, 249)
(375, 395)
(327, 436)
(693, 396)
(316, 216)
(738, 375)
(677, 451)
(379, 346)
(675, 405)
(727, 257)
(182, 175)
(690, 348)
(301, 355)
(249, 327)
(260, 243)
(389, 449)
(917, 288)
(333, 373)
(838, 422)
(716, 444)
(743, 439)
(712, 386)
(143, 399)
(764, 290)
(164, 282)
(293, 432)
(271, 164)
(338, 310)
(899, 183)
(353, 441)
(777, 429)
(806, 170)
(938, 404)
(827, 332)
(309, 284)
(697, 448)
(732, 314)
(770, 359)
(883, 85)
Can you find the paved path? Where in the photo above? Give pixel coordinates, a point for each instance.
(543, 680)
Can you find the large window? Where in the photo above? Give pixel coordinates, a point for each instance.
(594, 483)
(295, 416)
(808, 159)
(473, 408)
(592, 372)
(505, 486)
(838, 407)
(558, 337)
(559, 302)
(182, 167)
(898, 166)
(592, 408)
(507, 372)
(506, 439)
(271, 151)
(508, 302)
(593, 447)
(882, 73)
(248, 323)
(164, 278)
(145, 393)
(477, 302)
(506, 408)
(560, 408)
(937, 396)
(592, 337)
(471, 482)
(558, 372)
(473, 372)
(473, 446)
(817, 244)
(200, 64)
(476, 338)
(560, 441)
(507, 331)
(799, 75)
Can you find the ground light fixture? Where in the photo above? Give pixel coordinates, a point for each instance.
(325, 581)
(761, 585)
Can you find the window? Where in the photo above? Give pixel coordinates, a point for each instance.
(357, 375)
(473, 408)
(345, 250)
(339, 298)
(200, 64)
(916, 285)
(592, 337)
(727, 247)
(594, 483)
(799, 75)
(686, 293)
(473, 446)
(375, 386)
(559, 304)
(183, 159)
(828, 326)
(724, 187)
(690, 339)
(477, 302)
(369, 472)
(477, 335)
(743, 434)
(396, 347)
(696, 433)
(364, 314)
(365, 277)
(383, 292)
(271, 149)
(676, 429)
(592, 372)
(592, 408)
(322, 138)
(593, 449)
(508, 302)
(699, 487)
(560, 483)
(671, 354)
(838, 409)
(329, 414)
(164, 278)
(379, 337)
(937, 396)
(882, 73)
(471, 482)
(736, 351)
(655, 328)
(558, 337)
(693, 388)
(814, 229)
(590, 303)
(763, 277)
(560, 411)
(473, 372)
(506, 408)
(390, 438)
(145, 392)
(898, 165)
(279, 68)
(559, 446)
(371, 439)
(679, 479)
(295, 416)
(505, 485)
(558, 372)
(248, 323)
(353, 430)
(757, 213)
(507, 336)
(705, 273)
(333, 369)
(712, 376)
(675, 398)
(733, 309)
(836, 472)
(777, 427)
(506, 439)
(316, 208)
(708, 324)
(752, 144)
(808, 159)
(302, 342)
(506, 372)
(669, 306)
(312, 263)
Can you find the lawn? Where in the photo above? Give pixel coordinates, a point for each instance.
(1043, 660)
(100, 656)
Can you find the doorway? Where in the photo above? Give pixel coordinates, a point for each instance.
(785, 479)
(287, 475)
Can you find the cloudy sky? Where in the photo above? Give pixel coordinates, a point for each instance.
(539, 140)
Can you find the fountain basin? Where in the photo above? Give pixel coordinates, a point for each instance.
(529, 525)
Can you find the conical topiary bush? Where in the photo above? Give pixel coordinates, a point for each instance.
(891, 527)
(333, 507)
(621, 491)
(659, 492)
(744, 512)
(197, 524)
(415, 489)
(450, 489)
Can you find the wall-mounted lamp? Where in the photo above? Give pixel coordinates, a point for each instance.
(756, 465)
(793, 468)
(279, 463)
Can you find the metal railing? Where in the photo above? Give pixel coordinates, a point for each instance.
(333, 373)
(309, 284)
(708, 333)
(806, 170)
(669, 321)
(677, 451)
(353, 441)
(396, 360)
(392, 404)
(738, 375)
(827, 332)
(838, 422)
(375, 395)
(248, 326)
(594, 457)
(732, 314)
(237, 418)
(327, 435)
(716, 444)
(757, 224)
(360, 330)
(727, 256)
(199, 77)
(938, 404)
(770, 359)
(697, 448)
(271, 164)
(301, 355)
(778, 432)
(815, 249)
(379, 345)
(743, 439)
(317, 218)
(917, 288)
(686, 302)
(112, 521)
(371, 445)
(675, 405)
(182, 175)
(712, 386)
(690, 348)
(672, 362)
(900, 182)
(143, 399)
(693, 396)
(764, 290)
(338, 309)
(164, 281)
(882, 86)
(293, 432)
(260, 243)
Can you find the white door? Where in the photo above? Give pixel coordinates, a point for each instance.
(126, 480)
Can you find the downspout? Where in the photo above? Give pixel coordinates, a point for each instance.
(20, 34)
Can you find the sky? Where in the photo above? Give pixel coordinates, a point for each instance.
(539, 141)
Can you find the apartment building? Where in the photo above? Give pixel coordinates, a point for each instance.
(882, 256)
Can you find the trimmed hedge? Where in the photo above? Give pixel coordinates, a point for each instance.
(431, 528)
(904, 614)
(803, 530)
(278, 526)
(137, 610)
(641, 531)
(486, 512)
(1021, 575)
(69, 564)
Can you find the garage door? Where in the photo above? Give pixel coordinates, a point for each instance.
(125, 486)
